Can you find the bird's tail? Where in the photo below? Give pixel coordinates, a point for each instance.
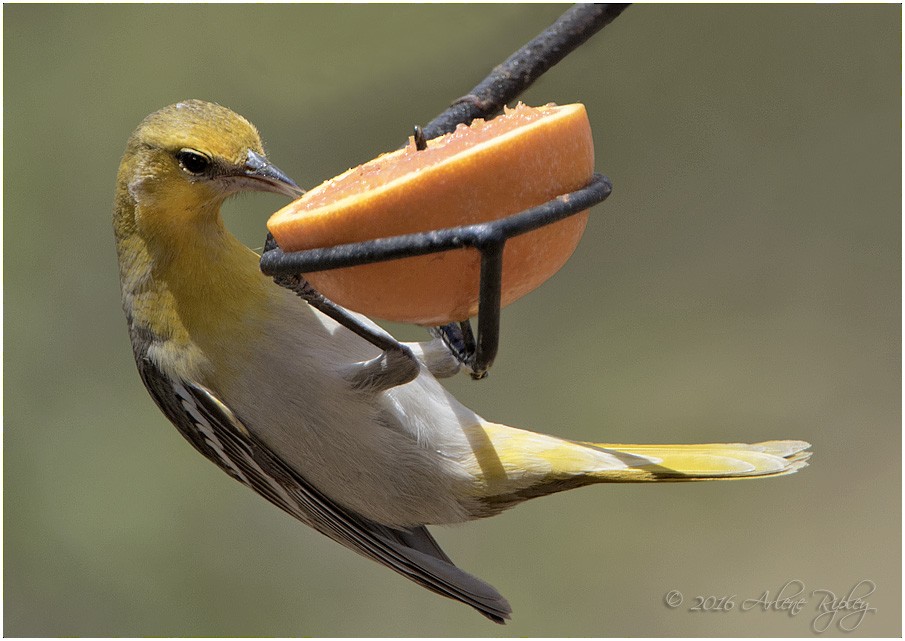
(516, 464)
(703, 462)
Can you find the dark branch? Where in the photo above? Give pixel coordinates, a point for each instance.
(505, 83)
(509, 79)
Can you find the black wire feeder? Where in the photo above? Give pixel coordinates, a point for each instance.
(501, 86)
(488, 238)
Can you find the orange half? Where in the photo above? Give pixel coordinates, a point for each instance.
(478, 173)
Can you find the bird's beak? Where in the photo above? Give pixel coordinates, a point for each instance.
(267, 177)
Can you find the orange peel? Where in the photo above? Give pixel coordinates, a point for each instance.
(478, 173)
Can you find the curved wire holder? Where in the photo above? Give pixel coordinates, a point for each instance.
(488, 238)
(503, 85)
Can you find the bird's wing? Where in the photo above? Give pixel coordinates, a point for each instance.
(219, 435)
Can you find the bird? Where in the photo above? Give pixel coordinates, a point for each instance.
(363, 444)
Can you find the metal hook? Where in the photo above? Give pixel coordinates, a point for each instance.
(489, 238)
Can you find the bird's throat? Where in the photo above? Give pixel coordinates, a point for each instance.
(203, 290)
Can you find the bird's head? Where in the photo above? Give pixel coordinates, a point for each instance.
(183, 161)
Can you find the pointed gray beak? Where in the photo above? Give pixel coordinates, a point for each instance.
(268, 178)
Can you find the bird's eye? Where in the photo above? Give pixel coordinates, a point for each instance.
(193, 161)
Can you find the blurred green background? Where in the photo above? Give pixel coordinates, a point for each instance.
(741, 284)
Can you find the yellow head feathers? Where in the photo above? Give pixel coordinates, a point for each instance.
(189, 157)
(184, 277)
(197, 124)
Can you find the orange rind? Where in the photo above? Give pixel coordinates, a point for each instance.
(478, 173)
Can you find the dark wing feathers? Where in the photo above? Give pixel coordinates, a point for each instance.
(216, 432)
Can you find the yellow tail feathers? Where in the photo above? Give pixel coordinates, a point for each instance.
(704, 462)
(512, 465)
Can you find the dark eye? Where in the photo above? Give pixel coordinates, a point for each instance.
(193, 161)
